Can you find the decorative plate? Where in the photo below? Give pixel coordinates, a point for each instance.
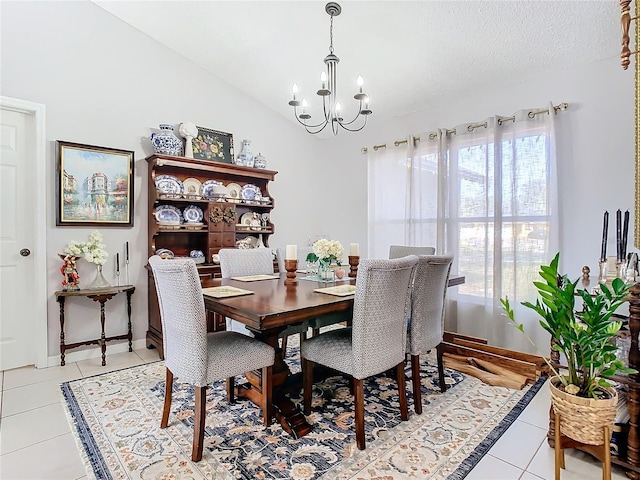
(247, 218)
(193, 214)
(168, 214)
(233, 194)
(169, 185)
(192, 187)
(164, 253)
(208, 188)
(250, 192)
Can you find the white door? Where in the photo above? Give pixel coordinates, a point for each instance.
(22, 253)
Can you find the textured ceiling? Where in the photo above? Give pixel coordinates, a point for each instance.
(409, 52)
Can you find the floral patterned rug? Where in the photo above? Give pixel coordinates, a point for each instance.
(115, 419)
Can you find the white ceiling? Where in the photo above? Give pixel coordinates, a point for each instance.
(410, 53)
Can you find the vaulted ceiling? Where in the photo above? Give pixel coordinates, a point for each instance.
(410, 53)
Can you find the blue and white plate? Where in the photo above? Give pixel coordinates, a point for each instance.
(208, 188)
(168, 185)
(168, 214)
(250, 192)
(193, 214)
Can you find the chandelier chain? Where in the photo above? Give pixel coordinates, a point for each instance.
(331, 36)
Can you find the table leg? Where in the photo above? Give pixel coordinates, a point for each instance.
(291, 419)
(129, 335)
(103, 341)
(62, 345)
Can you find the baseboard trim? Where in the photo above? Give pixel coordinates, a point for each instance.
(95, 352)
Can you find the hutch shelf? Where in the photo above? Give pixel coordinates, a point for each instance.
(222, 227)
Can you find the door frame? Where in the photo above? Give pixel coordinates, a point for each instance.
(39, 277)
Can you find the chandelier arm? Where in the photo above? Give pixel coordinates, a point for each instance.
(317, 131)
(305, 124)
(354, 118)
(355, 129)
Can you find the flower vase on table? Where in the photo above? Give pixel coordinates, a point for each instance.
(99, 281)
(325, 272)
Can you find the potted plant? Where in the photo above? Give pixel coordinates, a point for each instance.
(586, 339)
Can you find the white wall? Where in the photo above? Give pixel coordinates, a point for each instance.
(104, 83)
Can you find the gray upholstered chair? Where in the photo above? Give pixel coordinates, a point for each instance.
(426, 322)
(375, 342)
(198, 357)
(399, 251)
(237, 262)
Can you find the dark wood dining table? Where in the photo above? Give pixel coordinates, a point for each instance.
(267, 312)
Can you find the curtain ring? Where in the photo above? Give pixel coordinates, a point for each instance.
(531, 115)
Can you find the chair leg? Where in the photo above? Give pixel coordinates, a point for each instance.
(415, 381)
(284, 347)
(315, 332)
(358, 401)
(307, 385)
(231, 392)
(439, 353)
(168, 390)
(198, 425)
(267, 391)
(402, 391)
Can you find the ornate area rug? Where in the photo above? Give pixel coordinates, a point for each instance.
(115, 419)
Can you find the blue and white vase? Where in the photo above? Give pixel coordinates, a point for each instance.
(260, 161)
(245, 158)
(166, 142)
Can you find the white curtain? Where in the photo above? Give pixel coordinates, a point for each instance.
(485, 192)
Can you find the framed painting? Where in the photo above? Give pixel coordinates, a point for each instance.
(94, 186)
(213, 145)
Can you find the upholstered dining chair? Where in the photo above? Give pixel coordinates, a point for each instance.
(399, 251)
(376, 340)
(238, 262)
(198, 357)
(426, 321)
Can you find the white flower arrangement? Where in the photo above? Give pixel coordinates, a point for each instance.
(93, 251)
(326, 251)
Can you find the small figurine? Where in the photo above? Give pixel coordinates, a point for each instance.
(69, 271)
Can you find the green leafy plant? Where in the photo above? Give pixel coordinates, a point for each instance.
(584, 337)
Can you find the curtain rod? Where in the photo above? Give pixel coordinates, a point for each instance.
(473, 126)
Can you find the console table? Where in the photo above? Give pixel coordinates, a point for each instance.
(101, 295)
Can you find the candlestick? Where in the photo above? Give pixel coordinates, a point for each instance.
(618, 234)
(117, 263)
(625, 233)
(291, 252)
(354, 249)
(126, 252)
(605, 234)
(354, 261)
(291, 266)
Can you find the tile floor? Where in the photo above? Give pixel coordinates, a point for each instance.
(36, 443)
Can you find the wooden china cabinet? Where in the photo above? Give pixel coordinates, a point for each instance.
(222, 220)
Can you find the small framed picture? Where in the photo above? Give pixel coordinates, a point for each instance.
(94, 186)
(213, 145)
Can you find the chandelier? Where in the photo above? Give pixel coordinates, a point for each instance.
(331, 106)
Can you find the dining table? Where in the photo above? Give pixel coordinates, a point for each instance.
(266, 312)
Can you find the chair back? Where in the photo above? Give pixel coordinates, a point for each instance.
(238, 262)
(302, 257)
(399, 251)
(380, 308)
(182, 313)
(428, 299)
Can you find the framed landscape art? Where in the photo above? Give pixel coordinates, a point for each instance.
(94, 186)
(213, 145)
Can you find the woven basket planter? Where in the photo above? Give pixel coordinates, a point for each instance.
(583, 419)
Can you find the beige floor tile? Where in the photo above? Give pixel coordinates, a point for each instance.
(54, 459)
(116, 361)
(19, 377)
(27, 428)
(537, 412)
(28, 397)
(579, 465)
(530, 476)
(519, 444)
(492, 468)
(148, 354)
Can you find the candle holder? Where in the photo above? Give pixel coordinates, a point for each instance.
(291, 266)
(354, 261)
(621, 269)
(602, 276)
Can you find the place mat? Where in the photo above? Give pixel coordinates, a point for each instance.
(339, 290)
(254, 278)
(225, 291)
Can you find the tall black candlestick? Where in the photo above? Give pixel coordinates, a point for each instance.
(605, 234)
(625, 234)
(126, 251)
(117, 263)
(618, 235)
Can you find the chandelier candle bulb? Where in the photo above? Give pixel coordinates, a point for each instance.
(291, 252)
(354, 249)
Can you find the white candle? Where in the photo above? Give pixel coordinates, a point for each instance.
(354, 249)
(291, 252)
